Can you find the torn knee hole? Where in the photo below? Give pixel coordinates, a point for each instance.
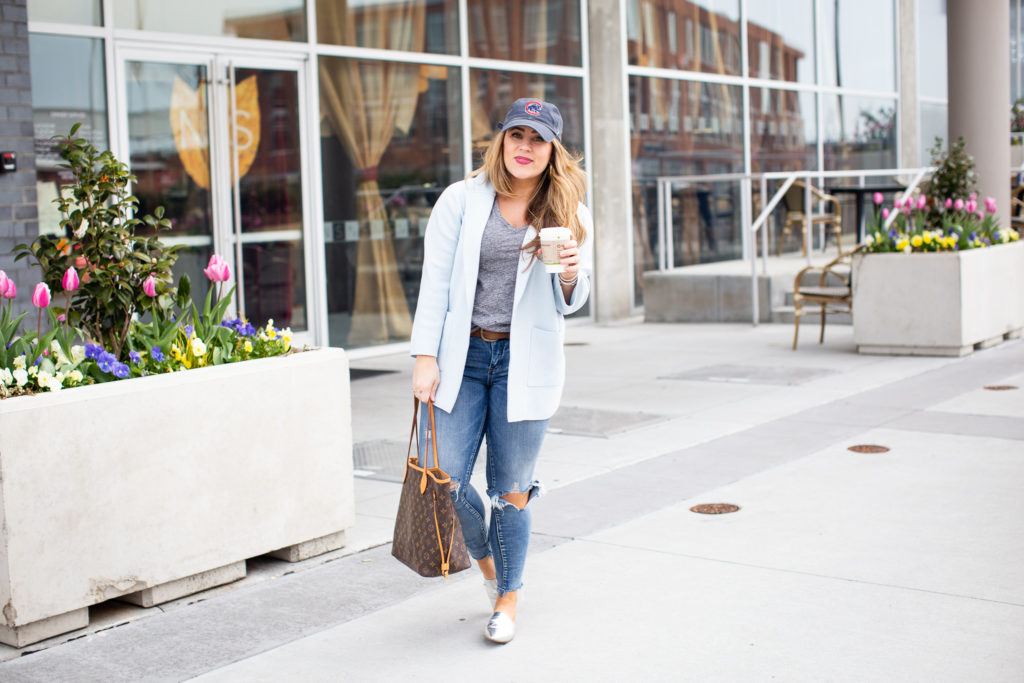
(518, 500)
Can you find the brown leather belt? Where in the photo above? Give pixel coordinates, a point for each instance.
(489, 336)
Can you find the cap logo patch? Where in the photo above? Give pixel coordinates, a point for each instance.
(533, 108)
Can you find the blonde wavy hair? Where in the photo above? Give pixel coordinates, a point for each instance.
(557, 197)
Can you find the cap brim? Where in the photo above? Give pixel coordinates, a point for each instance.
(546, 133)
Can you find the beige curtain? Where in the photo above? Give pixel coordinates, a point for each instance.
(366, 103)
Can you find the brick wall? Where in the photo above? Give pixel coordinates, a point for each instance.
(17, 190)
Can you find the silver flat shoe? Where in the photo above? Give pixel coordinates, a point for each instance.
(491, 586)
(500, 628)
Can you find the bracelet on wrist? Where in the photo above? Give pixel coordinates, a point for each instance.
(568, 283)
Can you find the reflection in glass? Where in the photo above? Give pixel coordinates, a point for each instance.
(390, 143)
(67, 88)
(858, 44)
(693, 36)
(269, 162)
(859, 132)
(169, 153)
(685, 128)
(410, 25)
(706, 222)
(541, 31)
(87, 12)
(268, 19)
(931, 46)
(783, 130)
(780, 39)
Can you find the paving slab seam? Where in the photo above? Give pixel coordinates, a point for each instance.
(784, 570)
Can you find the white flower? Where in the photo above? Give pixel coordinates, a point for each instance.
(5, 377)
(43, 377)
(869, 240)
(907, 249)
(78, 353)
(19, 362)
(76, 376)
(198, 347)
(20, 377)
(33, 371)
(52, 383)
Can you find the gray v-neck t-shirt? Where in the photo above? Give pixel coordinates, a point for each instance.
(500, 249)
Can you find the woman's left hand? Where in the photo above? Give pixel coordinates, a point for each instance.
(569, 257)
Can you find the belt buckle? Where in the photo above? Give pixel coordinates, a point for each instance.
(483, 335)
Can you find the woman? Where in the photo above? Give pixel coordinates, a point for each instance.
(489, 329)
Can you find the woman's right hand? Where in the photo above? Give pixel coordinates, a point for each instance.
(425, 378)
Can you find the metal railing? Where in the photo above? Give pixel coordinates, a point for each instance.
(753, 226)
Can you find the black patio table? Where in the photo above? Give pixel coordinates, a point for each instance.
(859, 191)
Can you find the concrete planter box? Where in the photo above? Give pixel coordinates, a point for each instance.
(938, 304)
(153, 488)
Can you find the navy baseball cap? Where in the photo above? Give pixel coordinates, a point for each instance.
(543, 117)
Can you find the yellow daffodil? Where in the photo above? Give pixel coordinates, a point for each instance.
(902, 245)
(916, 241)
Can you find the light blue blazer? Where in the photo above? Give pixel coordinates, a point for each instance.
(451, 262)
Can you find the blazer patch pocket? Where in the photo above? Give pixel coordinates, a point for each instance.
(547, 360)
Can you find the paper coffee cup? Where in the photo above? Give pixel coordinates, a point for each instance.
(552, 240)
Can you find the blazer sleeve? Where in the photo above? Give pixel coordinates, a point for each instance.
(581, 291)
(439, 246)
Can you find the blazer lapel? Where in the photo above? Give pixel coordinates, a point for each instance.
(479, 200)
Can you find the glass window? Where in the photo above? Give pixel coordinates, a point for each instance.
(390, 143)
(266, 19)
(494, 91)
(931, 41)
(409, 25)
(859, 132)
(542, 31)
(693, 36)
(934, 118)
(685, 128)
(67, 88)
(780, 40)
(89, 12)
(169, 153)
(858, 44)
(783, 130)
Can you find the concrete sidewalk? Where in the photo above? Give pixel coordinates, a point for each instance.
(903, 565)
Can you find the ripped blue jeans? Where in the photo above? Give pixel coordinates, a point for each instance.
(512, 449)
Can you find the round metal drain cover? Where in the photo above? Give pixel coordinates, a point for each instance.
(1001, 387)
(714, 508)
(868, 448)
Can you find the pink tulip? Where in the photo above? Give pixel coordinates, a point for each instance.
(217, 270)
(149, 286)
(62, 317)
(949, 202)
(906, 209)
(885, 213)
(898, 203)
(3, 283)
(70, 280)
(878, 198)
(11, 291)
(974, 196)
(980, 215)
(922, 202)
(958, 205)
(972, 205)
(990, 204)
(41, 296)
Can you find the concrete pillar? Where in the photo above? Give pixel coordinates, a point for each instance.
(610, 162)
(909, 115)
(18, 211)
(979, 91)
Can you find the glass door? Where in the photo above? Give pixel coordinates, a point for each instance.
(217, 140)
